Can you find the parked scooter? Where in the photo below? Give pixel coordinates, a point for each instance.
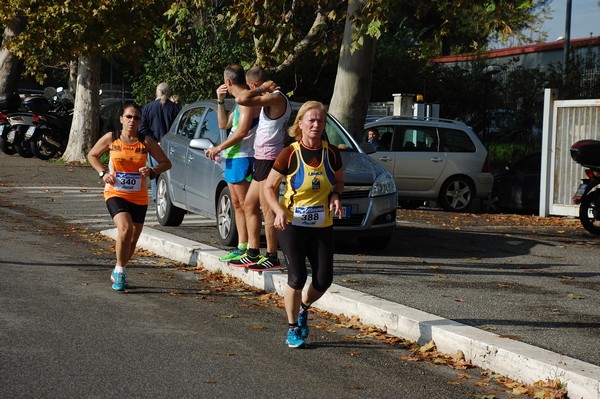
(43, 130)
(20, 124)
(49, 134)
(14, 139)
(587, 154)
(9, 104)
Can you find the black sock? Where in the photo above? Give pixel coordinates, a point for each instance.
(272, 255)
(293, 325)
(304, 307)
(253, 252)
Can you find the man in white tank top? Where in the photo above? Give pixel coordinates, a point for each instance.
(268, 143)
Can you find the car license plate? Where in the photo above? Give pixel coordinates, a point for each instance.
(346, 211)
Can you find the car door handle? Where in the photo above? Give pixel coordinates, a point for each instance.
(385, 159)
(436, 160)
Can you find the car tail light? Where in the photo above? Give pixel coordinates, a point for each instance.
(486, 165)
(591, 173)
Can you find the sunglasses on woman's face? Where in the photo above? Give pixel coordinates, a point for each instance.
(135, 117)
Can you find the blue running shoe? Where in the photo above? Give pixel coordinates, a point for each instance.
(303, 323)
(294, 339)
(118, 280)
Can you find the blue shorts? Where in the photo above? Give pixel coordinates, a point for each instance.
(238, 169)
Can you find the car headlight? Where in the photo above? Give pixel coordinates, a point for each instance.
(384, 185)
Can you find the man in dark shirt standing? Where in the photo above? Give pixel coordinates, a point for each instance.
(157, 117)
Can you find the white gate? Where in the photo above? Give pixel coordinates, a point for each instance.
(565, 122)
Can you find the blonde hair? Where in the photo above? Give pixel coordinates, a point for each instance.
(294, 130)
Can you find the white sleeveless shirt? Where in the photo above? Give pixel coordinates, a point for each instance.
(268, 139)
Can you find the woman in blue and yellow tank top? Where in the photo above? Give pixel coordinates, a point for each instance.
(314, 183)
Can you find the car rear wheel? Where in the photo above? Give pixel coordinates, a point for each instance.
(166, 213)
(226, 219)
(457, 194)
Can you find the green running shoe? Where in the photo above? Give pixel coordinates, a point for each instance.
(233, 255)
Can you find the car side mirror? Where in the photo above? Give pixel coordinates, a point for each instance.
(201, 144)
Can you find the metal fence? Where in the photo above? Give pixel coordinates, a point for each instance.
(565, 122)
(381, 109)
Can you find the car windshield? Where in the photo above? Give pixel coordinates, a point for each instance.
(335, 135)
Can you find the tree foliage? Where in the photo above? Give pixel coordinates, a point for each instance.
(289, 37)
(192, 62)
(282, 30)
(403, 53)
(58, 32)
(445, 27)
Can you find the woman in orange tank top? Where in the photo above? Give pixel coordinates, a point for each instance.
(125, 190)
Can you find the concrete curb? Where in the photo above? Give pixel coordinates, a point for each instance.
(514, 359)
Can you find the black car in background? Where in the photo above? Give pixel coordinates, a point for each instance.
(518, 187)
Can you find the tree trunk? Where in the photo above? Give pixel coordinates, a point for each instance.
(72, 76)
(85, 126)
(352, 89)
(10, 65)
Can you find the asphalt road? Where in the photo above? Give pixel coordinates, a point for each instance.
(175, 332)
(532, 283)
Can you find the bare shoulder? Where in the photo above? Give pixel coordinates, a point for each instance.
(250, 111)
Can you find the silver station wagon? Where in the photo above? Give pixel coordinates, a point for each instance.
(432, 159)
(195, 183)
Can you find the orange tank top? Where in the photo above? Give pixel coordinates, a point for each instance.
(124, 165)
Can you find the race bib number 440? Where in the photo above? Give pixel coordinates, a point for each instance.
(125, 181)
(309, 216)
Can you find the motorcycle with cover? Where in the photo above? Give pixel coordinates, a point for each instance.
(587, 154)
